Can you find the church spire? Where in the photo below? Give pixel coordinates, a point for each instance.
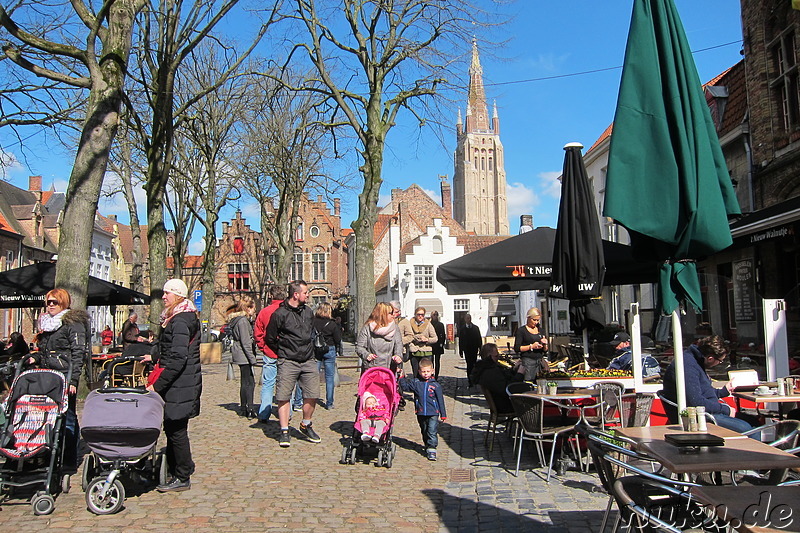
(477, 96)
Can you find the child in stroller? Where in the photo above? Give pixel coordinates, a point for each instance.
(373, 418)
(378, 385)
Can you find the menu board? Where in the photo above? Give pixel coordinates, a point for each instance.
(744, 299)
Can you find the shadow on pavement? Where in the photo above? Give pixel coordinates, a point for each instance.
(464, 515)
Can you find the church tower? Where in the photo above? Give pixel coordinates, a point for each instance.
(479, 180)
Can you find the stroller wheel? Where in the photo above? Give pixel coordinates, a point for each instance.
(66, 483)
(345, 455)
(389, 459)
(42, 504)
(353, 455)
(113, 500)
(381, 458)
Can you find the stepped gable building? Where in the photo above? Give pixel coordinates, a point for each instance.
(479, 182)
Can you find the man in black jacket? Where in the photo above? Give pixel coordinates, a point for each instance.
(469, 342)
(289, 335)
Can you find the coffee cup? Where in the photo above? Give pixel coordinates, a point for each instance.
(762, 389)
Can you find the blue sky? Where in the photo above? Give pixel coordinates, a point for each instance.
(546, 96)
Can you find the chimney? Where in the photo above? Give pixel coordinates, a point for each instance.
(112, 217)
(319, 198)
(337, 207)
(447, 200)
(35, 183)
(525, 223)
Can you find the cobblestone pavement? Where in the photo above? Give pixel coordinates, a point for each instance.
(246, 482)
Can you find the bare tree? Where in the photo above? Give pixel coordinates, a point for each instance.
(374, 58)
(170, 32)
(285, 151)
(98, 66)
(211, 139)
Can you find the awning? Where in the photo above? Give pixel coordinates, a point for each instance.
(502, 305)
(430, 305)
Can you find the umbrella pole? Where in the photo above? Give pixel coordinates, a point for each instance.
(585, 349)
(680, 381)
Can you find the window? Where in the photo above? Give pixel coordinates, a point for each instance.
(461, 305)
(423, 278)
(272, 260)
(785, 82)
(318, 299)
(314, 231)
(9, 259)
(238, 277)
(437, 245)
(296, 271)
(238, 245)
(491, 164)
(318, 266)
(298, 232)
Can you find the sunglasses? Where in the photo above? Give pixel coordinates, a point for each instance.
(52, 302)
(420, 314)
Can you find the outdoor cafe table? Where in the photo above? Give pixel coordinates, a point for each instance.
(753, 508)
(650, 433)
(736, 454)
(761, 399)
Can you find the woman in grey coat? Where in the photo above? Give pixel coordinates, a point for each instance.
(242, 352)
(380, 342)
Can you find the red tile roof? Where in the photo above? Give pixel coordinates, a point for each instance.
(5, 226)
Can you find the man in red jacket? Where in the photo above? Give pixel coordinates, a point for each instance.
(277, 294)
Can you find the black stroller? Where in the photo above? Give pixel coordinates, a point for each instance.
(121, 427)
(32, 437)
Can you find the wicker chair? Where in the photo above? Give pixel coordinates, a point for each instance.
(495, 417)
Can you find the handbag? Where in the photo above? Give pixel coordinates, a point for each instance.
(336, 379)
(231, 376)
(152, 377)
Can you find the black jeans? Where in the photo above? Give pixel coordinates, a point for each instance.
(471, 358)
(246, 385)
(179, 452)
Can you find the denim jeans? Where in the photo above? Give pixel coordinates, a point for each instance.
(736, 424)
(328, 364)
(268, 373)
(429, 425)
(71, 433)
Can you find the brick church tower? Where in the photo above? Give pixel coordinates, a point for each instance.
(479, 181)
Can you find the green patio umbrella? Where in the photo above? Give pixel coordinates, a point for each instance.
(667, 180)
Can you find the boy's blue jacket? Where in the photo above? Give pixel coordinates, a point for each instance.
(428, 397)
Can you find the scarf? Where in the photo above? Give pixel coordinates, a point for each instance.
(387, 332)
(186, 306)
(51, 323)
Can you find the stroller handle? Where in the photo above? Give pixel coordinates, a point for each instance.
(132, 390)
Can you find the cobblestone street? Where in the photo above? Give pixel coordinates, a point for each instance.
(246, 482)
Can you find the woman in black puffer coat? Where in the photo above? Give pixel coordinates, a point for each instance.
(62, 338)
(180, 382)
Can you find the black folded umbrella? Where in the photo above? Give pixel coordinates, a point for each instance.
(26, 287)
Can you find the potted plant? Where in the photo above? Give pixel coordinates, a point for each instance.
(684, 414)
(552, 387)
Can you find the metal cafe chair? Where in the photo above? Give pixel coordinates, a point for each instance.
(495, 417)
(709, 416)
(635, 408)
(532, 426)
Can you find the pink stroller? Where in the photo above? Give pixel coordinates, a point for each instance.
(382, 384)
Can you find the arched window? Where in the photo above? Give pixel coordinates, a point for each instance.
(437, 245)
(298, 232)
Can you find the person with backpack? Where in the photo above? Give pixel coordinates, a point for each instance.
(331, 334)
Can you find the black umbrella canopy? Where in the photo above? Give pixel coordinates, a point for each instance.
(578, 259)
(524, 262)
(26, 287)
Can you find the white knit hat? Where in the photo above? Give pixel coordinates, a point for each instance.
(176, 287)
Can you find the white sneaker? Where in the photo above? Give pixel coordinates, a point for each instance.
(365, 437)
(376, 439)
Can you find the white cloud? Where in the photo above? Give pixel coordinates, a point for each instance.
(436, 196)
(384, 199)
(521, 201)
(9, 163)
(549, 184)
(540, 199)
(196, 247)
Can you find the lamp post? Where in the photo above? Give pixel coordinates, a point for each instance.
(404, 284)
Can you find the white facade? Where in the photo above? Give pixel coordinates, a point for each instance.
(100, 262)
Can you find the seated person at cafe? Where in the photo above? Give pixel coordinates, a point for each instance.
(623, 359)
(707, 353)
(495, 376)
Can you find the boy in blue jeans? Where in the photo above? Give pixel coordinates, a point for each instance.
(429, 403)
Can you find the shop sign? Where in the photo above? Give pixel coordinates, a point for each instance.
(744, 301)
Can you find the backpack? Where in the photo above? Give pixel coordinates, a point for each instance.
(318, 341)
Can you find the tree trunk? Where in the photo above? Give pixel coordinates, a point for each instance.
(91, 161)
(364, 224)
(209, 268)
